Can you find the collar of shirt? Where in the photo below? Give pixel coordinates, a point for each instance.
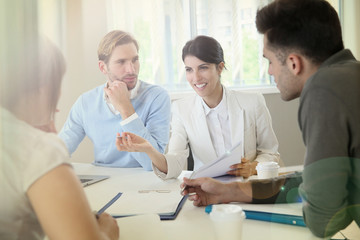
(220, 109)
(219, 125)
(133, 94)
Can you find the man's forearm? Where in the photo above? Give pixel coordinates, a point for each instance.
(239, 192)
(283, 189)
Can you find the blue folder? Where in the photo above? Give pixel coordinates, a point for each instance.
(275, 217)
(270, 217)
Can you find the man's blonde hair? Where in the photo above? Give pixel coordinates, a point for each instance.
(111, 41)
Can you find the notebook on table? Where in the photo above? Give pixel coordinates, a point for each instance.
(166, 203)
(87, 180)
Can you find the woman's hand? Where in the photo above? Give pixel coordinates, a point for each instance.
(130, 142)
(245, 168)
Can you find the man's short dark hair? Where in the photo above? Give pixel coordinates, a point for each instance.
(311, 27)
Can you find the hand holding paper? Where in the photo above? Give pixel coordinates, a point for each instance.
(245, 168)
(222, 165)
(219, 167)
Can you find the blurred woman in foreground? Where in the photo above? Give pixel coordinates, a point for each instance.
(39, 191)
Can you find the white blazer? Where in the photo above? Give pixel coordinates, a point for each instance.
(250, 122)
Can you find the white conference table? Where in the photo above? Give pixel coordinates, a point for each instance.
(191, 223)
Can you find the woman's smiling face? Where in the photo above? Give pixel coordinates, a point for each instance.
(203, 77)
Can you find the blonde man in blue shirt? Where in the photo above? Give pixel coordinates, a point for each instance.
(123, 103)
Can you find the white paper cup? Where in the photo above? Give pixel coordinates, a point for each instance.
(267, 170)
(228, 221)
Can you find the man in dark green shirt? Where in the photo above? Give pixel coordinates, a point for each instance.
(329, 118)
(303, 43)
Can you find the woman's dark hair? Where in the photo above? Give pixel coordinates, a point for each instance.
(204, 48)
(311, 27)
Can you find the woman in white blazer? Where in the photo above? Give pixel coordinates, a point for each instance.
(212, 121)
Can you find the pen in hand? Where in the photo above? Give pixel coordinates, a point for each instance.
(107, 205)
(184, 187)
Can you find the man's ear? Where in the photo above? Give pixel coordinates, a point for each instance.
(294, 63)
(102, 67)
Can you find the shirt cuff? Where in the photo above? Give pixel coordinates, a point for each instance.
(129, 119)
(159, 173)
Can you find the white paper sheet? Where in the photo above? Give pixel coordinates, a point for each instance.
(222, 164)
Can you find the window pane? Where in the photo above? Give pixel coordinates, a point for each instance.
(232, 23)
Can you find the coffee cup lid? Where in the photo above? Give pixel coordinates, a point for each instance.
(226, 212)
(267, 166)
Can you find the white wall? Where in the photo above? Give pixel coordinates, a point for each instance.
(351, 26)
(285, 124)
(84, 26)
